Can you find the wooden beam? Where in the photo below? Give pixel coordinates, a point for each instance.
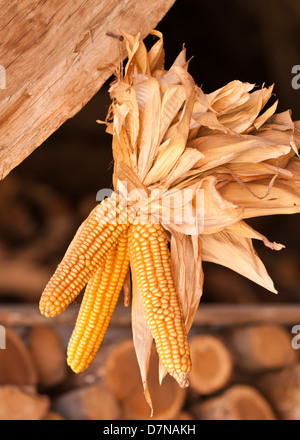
(230, 314)
(207, 315)
(56, 55)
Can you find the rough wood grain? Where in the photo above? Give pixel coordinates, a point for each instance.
(56, 56)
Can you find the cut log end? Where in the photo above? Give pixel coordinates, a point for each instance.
(17, 404)
(93, 402)
(16, 363)
(282, 389)
(212, 364)
(48, 354)
(261, 348)
(123, 377)
(240, 402)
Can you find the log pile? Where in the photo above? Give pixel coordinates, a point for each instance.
(240, 372)
(245, 344)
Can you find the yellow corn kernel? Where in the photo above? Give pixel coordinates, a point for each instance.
(98, 304)
(94, 238)
(148, 247)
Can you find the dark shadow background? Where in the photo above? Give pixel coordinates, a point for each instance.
(43, 200)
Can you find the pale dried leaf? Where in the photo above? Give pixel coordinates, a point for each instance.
(186, 257)
(217, 212)
(241, 118)
(174, 207)
(281, 138)
(202, 103)
(186, 161)
(129, 179)
(229, 96)
(156, 54)
(148, 98)
(209, 120)
(121, 149)
(280, 121)
(169, 78)
(124, 95)
(294, 168)
(220, 149)
(169, 157)
(236, 253)
(284, 197)
(266, 115)
(242, 229)
(278, 136)
(162, 372)
(257, 155)
(172, 101)
(142, 337)
(137, 55)
(120, 113)
(249, 171)
(197, 209)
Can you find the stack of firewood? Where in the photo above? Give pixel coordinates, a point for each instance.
(40, 213)
(244, 372)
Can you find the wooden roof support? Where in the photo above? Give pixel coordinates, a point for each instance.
(56, 56)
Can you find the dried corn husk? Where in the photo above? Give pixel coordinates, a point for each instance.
(237, 158)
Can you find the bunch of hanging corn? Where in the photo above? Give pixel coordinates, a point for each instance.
(230, 159)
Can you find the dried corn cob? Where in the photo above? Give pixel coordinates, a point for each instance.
(96, 236)
(150, 255)
(98, 304)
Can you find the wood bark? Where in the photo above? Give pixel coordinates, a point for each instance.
(55, 56)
